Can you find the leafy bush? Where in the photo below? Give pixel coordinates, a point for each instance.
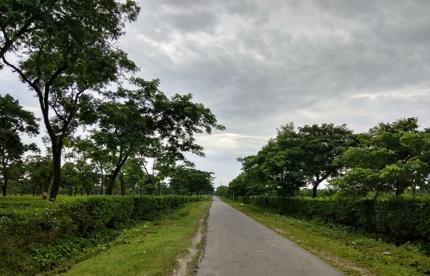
(397, 220)
(81, 217)
(41, 237)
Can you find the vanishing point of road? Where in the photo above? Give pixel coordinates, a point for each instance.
(238, 245)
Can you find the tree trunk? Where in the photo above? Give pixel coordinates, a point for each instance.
(4, 186)
(123, 185)
(398, 192)
(376, 196)
(154, 187)
(314, 190)
(56, 159)
(102, 183)
(109, 184)
(111, 181)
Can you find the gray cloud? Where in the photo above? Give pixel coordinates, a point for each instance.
(262, 63)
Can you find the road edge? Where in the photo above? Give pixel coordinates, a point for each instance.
(188, 263)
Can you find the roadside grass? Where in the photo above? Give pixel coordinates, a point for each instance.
(351, 252)
(152, 248)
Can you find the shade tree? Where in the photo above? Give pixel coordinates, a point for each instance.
(188, 181)
(37, 174)
(65, 52)
(14, 122)
(280, 162)
(320, 146)
(142, 120)
(391, 157)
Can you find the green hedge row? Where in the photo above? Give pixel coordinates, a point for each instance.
(396, 220)
(84, 216)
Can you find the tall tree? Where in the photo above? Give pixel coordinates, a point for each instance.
(321, 145)
(38, 174)
(14, 121)
(255, 178)
(282, 161)
(276, 169)
(22, 21)
(17, 20)
(85, 149)
(191, 181)
(135, 177)
(142, 120)
(157, 162)
(390, 157)
(69, 53)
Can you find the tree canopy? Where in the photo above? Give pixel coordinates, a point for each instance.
(14, 121)
(189, 181)
(64, 50)
(390, 157)
(144, 122)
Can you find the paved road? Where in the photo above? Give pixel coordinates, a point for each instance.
(238, 245)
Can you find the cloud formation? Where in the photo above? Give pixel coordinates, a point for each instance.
(260, 64)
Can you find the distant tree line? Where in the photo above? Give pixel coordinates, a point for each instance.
(389, 158)
(65, 52)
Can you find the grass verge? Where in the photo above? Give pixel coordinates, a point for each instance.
(352, 253)
(148, 249)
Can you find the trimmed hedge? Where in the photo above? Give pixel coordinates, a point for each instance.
(36, 236)
(398, 220)
(84, 216)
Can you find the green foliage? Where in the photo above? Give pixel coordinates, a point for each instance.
(79, 177)
(151, 248)
(53, 232)
(398, 220)
(321, 145)
(21, 22)
(38, 174)
(65, 53)
(280, 162)
(14, 122)
(190, 181)
(390, 157)
(86, 215)
(136, 179)
(47, 258)
(222, 191)
(143, 122)
(65, 49)
(292, 160)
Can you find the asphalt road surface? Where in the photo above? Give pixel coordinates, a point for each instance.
(238, 245)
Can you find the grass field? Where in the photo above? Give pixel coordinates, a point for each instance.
(353, 253)
(151, 248)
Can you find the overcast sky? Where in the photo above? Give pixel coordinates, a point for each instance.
(260, 64)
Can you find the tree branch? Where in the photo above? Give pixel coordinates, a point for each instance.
(72, 114)
(9, 41)
(23, 76)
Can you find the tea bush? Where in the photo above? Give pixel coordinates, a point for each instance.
(398, 220)
(40, 235)
(83, 216)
